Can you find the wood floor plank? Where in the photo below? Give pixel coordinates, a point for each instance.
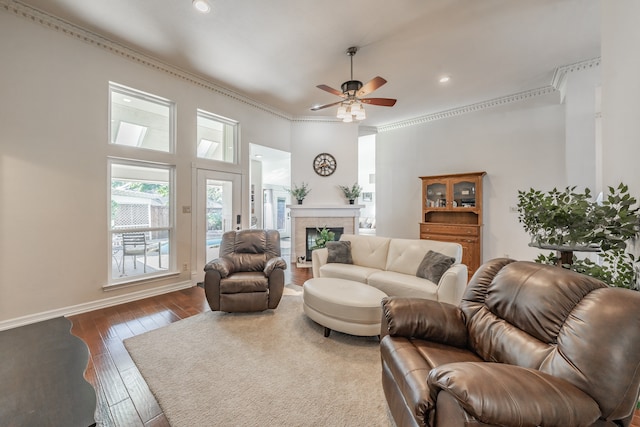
(142, 398)
(124, 414)
(109, 379)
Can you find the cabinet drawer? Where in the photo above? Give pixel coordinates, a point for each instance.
(455, 230)
(449, 238)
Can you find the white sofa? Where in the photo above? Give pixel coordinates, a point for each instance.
(390, 265)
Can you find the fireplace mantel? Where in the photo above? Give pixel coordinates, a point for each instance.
(325, 210)
(318, 216)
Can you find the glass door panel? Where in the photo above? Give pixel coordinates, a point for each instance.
(218, 210)
(436, 195)
(464, 194)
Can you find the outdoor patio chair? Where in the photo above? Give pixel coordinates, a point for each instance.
(136, 244)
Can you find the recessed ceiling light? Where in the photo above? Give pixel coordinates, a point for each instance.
(202, 6)
(444, 79)
(258, 156)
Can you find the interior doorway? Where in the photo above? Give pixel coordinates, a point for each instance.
(270, 177)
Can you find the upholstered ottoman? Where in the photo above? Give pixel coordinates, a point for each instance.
(343, 305)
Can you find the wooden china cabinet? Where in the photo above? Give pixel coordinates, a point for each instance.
(452, 212)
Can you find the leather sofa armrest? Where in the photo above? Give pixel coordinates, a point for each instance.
(221, 265)
(424, 319)
(452, 284)
(273, 263)
(502, 394)
(318, 259)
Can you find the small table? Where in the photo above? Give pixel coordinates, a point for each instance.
(343, 305)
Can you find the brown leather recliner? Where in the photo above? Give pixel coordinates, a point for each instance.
(529, 345)
(248, 275)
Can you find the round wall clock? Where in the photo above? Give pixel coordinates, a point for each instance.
(324, 164)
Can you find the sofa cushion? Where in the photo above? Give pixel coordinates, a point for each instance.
(368, 251)
(339, 252)
(403, 285)
(433, 266)
(347, 271)
(405, 255)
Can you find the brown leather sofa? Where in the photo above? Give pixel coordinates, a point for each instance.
(529, 345)
(248, 275)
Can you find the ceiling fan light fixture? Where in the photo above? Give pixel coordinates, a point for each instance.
(202, 6)
(342, 112)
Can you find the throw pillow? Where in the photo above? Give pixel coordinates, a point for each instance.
(339, 252)
(433, 266)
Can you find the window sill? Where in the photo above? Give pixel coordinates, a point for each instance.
(125, 283)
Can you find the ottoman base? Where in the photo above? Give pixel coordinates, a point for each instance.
(343, 305)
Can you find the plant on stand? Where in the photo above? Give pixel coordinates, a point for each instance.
(351, 193)
(299, 193)
(570, 221)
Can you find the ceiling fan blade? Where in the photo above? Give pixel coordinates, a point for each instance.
(385, 102)
(331, 90)
(320, 107)
(371, 85)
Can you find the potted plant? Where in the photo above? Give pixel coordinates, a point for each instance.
(299, 193)
(569, 221)
(351, 193)
(323, 237)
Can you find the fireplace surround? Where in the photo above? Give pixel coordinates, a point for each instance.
(318, 216)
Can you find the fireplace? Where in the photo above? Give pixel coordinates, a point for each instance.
(313, 233)
(319, 216)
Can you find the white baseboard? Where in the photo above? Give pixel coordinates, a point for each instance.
(93, 305)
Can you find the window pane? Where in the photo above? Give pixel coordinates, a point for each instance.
(216, 138)
(140, 120)
(141, 223)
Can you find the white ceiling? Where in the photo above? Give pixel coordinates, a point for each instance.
(277, 51)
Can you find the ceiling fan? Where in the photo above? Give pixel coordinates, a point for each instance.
(352, 92)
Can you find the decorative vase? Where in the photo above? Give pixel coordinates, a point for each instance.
(300, 201)
(351, 201)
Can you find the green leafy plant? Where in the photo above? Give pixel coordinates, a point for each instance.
(573, 220)
(299, 193)
(352, 192)
(324, 236)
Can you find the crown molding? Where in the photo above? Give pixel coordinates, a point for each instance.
(560, 75)
(559, 79)
(54, 23)
(517, 97)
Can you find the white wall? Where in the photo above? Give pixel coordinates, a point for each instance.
(308, 139)
(53, 164)
(580, 148)
(621, 93)
(520, 145)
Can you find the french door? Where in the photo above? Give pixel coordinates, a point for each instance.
(218, 209)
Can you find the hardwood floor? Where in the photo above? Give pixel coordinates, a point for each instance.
(123, 398)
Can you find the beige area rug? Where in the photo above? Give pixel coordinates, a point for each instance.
(273, 368)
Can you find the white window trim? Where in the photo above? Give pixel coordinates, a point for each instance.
(172, 266)
(124, 90)
(236, 135)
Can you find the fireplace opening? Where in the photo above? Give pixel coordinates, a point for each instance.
(313, 233)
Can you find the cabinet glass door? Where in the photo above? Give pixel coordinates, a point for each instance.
(464, 194)
(436, 196)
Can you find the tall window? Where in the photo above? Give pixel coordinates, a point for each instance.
(140, 120)
(141, 219)
(217, 138)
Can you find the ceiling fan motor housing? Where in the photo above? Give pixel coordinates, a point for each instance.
(351, 87)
